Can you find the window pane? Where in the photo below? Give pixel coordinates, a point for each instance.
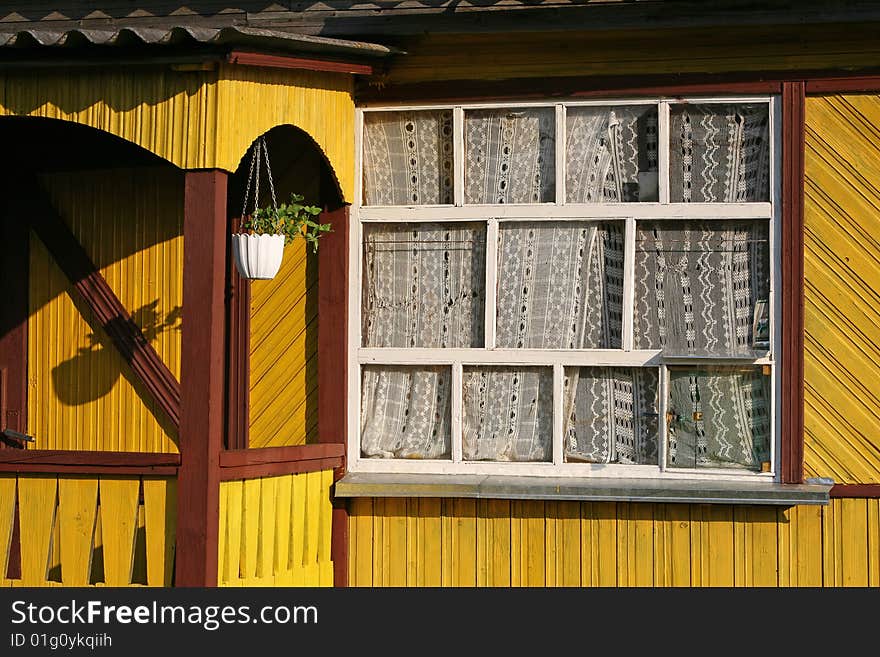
(611, 154)
(560, 285)
(423, 285)
(701, 288)
(611, 415)
(510, 156)
(719, 153)
(408, 158)
(507, 414)
(718, 418)
(405, 412)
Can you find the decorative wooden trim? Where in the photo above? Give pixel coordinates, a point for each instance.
(14, 272)
(109, 312)
(266, 455)
(333, 282)
(71, 458)
(855, 490)
(281, 61)
(202, 377)
(238, 331)
(792, 283)
(39, 468)
(855, 84)
(274, 469)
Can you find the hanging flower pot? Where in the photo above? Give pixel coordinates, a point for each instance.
(259, 248)
(257, 256)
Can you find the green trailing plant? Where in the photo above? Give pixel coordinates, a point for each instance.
(292, 219)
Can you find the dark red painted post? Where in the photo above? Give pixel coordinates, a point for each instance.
(792, 348)
(202, 378)
(333, 364)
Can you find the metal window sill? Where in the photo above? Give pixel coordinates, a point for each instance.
(369, 484)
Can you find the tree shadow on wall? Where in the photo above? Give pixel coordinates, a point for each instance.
(95, 369)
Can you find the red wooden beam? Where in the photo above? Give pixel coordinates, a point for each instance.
(792, 347)
(14, 267)
(282, 61)
(855, 84)
(855, 490)
(202, 377)
(246, 457)
(109, 312)
(256, 470)
(61, 457)
(333, 374)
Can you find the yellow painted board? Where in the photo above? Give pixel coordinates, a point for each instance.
(363, 544)
(222, 547)
(36, 499)
(250, 530)
(325, 530)
(465, 535)
(298, 522)
(430, 541)
(314, 505)
(809, 546)
(413, 544)
(518, 547)
(7, 519)
(854, 553)
(589, 546)
(641, 536)
(718, 545)
(233, 525)
(678, 546)
(119, 506)
(267, 527)
(77, 511)
(499, 521)
(282, 519)
(763, 548)
(395, 539)
(605, 516)
(874, 542)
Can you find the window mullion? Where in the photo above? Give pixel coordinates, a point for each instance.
(663, 150)
(458, 156)
(663, 391)
(558, 409)
(456, 410)
(629, 267)
(560, 154)
(491, 281)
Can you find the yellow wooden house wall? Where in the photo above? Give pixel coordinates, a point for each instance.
(455, 542)
(81, 393)
(842, 288)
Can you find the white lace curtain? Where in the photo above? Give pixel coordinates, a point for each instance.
(720, 419)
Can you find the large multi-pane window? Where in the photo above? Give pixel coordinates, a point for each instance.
(576, 288)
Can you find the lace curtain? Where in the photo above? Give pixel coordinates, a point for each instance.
(719, 153)
(408, 158)
(719, 418)
(423, 286)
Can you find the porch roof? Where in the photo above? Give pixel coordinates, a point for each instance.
(24, 42)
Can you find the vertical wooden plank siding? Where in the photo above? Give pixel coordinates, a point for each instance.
(82, 394)
(274, 531)
(512, 543)
(68, 538)
(202, 375)
(842, 288)
(195, 119)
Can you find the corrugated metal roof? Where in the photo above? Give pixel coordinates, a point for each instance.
(183, 35)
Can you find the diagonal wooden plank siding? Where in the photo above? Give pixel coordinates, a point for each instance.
(81, 394)
(88, 530)
(284, 352)
(452, 542)
(842, 288)
(275, 531)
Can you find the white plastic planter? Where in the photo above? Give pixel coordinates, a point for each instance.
(257, 256)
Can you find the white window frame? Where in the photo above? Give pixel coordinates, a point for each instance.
(630, 213)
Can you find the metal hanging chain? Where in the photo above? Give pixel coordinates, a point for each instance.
(247, 191)
(269, 175)
(257, 177)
